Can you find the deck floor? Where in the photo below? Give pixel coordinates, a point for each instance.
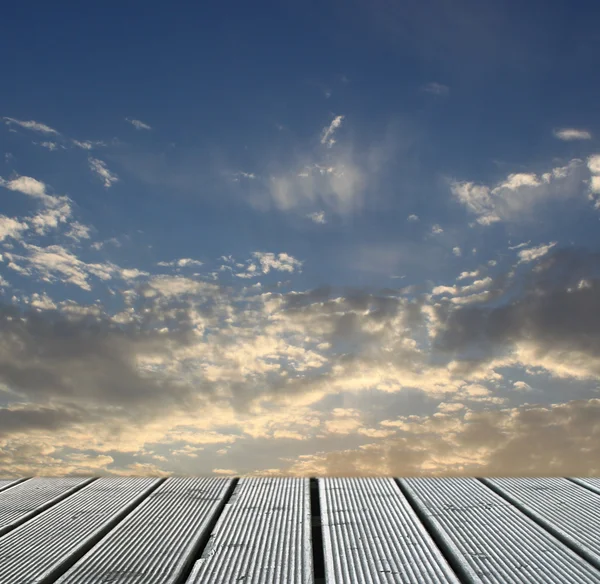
(194, 530)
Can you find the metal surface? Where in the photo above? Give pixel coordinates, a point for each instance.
(38, 550)
(593, 484)
(8, 483)
(567, 510)
(126, 530)
(262, 537)
(498, 542)
(372, 535)
(24, 500)
(157, 541)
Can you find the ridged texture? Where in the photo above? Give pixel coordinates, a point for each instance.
(593, 484)
(24, 500)
(156, 542)
(262, 537)
(498, 542)
(372, 535)
(35, 551)
(564, 508)
(7, 483)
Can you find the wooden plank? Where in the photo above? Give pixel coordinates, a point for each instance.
(262, 537)
(157, 542)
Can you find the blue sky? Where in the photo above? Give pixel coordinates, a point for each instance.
(300, 238)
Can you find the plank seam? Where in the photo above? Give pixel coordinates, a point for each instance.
(44, 507)
(196, 555)
(11, 485)
(569, 542)
(461, 572)
(318, 554)
(73, 559)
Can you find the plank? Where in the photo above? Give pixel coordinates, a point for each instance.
(497, 542)
(371, 534)
(262, 537)
(41, 549)
(31, 497)
(8, 483)
(568, 511)
(158, 541)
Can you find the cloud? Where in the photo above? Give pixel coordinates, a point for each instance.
(181, 263)
(412, 218)
(436, 88)
(327, 135)
(521, 386)
(517, 195)
(457, 251)
(32, 125)
(317, 217)
(465, 275)
(11, 228)
(26, 185)
(569, 134)
(78, 231)
(88, 144)
(137, 124)
(534, 253)
(545, 319)
(50, 145)
(436, 230)
(99, 167)
(531, 440)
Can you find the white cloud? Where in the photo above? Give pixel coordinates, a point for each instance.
(42, 301)
(436, 230)
(524, 244)
(26, 185)
(56, 262)
(317, 217)
(457, 251)
(50, 145)
(327, 136)
(436, 88)
(519, 193)
(181, 263)
(78, 231)
(593, 163)
(99, 167)
(88, 144)
(465, 275)
(282, 262)
(522, 386)
(412, 218)
(533, 253)
(10, 227)
(32, 125)
(138, 125)
(569, 134)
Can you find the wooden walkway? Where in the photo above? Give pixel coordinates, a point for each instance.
(192, 530)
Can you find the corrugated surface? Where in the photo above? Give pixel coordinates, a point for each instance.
(36, 550)
(156, 542)
(7, 483)
(29, 498)
(567, 510)
(372, 535)
(263, 536)
(498, 543)
(593, 484)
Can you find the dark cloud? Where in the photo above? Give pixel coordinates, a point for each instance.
(534, 440)
(47, 356)
(554, 306)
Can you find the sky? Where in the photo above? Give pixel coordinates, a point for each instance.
(300, 238)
